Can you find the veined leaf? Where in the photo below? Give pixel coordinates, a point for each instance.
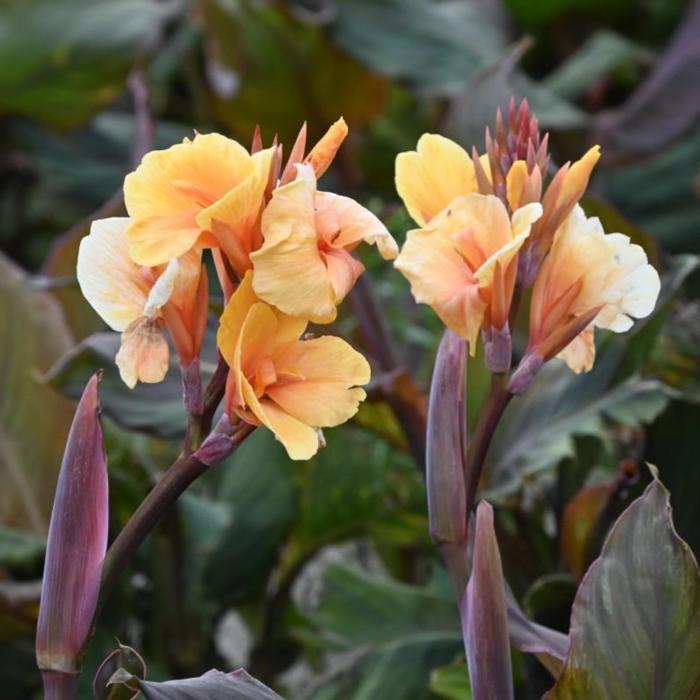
(635, 624)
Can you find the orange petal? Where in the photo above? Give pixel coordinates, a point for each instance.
(344, 223)
(440, 277)
(289, 270)
(343, 271)
(323, 153)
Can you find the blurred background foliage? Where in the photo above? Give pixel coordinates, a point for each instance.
(319, 577)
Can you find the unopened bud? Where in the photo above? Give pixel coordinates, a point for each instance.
(75, 550)
(446, 443)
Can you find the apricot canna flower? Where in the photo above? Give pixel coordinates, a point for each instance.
(589, 279)
(293, 387)
(431, 177)
(204, 192)
(464, 262)
(138, 301)
(305, 266)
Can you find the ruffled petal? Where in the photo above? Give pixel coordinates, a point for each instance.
(344, 223)
(579, 354)
(110, 281)
(289, 270)
(168, 189)
(440, 277)
(431, 177)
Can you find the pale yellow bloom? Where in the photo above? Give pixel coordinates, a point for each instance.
(204, 192)
(305, 266)
(463, 264)
(293, 387)
(132, 299)
(590, 277)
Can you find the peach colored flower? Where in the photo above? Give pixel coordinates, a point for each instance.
(204, 192)
(589, 279)
(463, 263)
(305, 266)
(138, 301)
(431, 177)
(293, 387)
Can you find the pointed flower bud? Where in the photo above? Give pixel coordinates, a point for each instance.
(446, 442)
(75, 550)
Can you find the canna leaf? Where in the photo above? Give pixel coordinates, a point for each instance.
(213, 685)
(76, 545)
(635, 623)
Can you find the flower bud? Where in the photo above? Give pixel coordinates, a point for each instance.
(75, 550)
(445, 443)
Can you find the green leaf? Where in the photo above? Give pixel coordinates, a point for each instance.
(660, 194)
(635, 624)
(538, 430)
(397, 632)
(602, 53)
(433, 46)
(34, 419)
(267, 68)
(258, 487)
(451, 682)
(62, 61)
(213, 685)
(19, 549)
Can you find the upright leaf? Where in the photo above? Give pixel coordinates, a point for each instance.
(635, 623)
(34, 419)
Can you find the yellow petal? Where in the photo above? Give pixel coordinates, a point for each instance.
(431, 177)
(234, 316)
(238, 210)
(346, 223)
(515, 183)
(440, 277)
(299, 439)
(110, 281)
(168, 189)
(323, 153)
(579, 354)
(143, 354)
(289, 270)
(522, 222)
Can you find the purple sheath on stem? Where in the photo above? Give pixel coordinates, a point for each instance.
(75, 550)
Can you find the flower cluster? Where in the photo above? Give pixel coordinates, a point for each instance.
(489, 230)
(283, 255)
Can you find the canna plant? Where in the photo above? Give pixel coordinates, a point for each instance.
(498, 242)
(282, 253)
